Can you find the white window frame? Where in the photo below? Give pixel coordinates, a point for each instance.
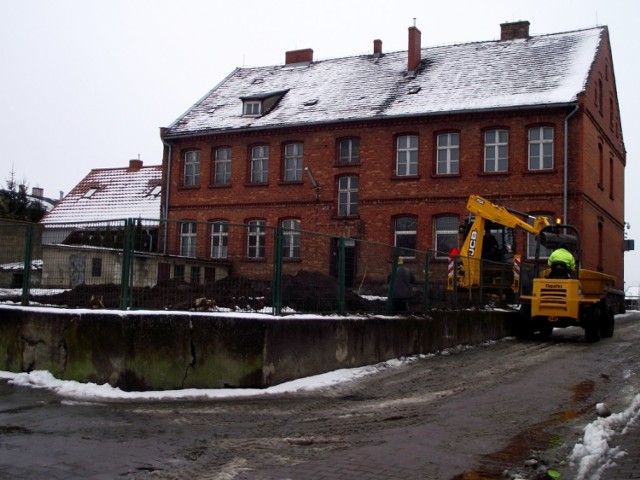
(192, 168)
(448, 153)
(219, 239)
(293, 155)
(541, 148)
(407, 155)
(348, 196)
(445, 230)
(291, 238)
(222, 166)
(252, 108)
(260, 164)
(188, 237)
(401, 232)
(349, 150)
(496, 150)
(256, 239)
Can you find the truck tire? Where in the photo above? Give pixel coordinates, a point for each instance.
(607, 322)
(592, 325)
(524, 329)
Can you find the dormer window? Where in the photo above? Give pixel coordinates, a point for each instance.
(89, 193)
(252, 108)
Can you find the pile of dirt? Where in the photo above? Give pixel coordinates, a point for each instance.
(304, 292)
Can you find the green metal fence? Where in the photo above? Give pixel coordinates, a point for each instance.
(216, 266)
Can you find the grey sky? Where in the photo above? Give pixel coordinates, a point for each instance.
(87, 83)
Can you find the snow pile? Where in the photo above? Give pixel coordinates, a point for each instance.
(596, 452)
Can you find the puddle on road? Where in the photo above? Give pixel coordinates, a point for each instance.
(534, 438)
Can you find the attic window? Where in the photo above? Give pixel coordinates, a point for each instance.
(252, 107)
(155, 191)
(414, 89)
(89, 193)
(311, 102)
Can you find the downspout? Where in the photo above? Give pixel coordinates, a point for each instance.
(565, 193)
(166, 198)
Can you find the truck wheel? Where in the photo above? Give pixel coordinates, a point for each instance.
(592, 325)
(607, 322)
(546, 330)
(524, 329)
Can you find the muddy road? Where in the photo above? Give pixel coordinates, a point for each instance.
(468, 413)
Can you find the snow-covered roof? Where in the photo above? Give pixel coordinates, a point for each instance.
(111, 193)
(540, 70)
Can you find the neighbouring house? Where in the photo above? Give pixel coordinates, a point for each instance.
(387, 147)
(83, 235)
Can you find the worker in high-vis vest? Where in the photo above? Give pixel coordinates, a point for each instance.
(561, 254)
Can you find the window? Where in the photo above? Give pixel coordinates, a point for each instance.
(178, 272)
(611, 177)
(89, 193)
(349, 150)
(496, 150)
(446, 234)
(291, 238)
(293, 162)
(260, 164)
(448, 155)
(540, 148)
(192, 168)
(348, 196)
(256, 237)
(188, 239)
(222, 167)
(600, 166)
(195, 275)
(531, 239)
(96, 267)
(252, 107)
(600, 97)
(405, 235)
(219, 239)
(407, 155)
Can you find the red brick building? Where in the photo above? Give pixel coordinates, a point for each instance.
(387, 147)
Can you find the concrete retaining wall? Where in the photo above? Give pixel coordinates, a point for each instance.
(162, 350)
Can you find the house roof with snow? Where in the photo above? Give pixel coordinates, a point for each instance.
(509, 73)
(110, 194)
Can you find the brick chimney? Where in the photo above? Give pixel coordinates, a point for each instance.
(377, 48)
(135, 165)
(514, 30)
(299, 56)
(415, 44)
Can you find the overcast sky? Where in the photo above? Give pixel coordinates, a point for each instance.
(88, 83)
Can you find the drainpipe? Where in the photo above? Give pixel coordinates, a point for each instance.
(166, 198)
(565, 193)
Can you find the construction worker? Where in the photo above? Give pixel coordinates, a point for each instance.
(561, 254)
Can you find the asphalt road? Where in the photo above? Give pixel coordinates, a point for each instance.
(469, 413)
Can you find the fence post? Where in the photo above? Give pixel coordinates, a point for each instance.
(127, 265)
(341, 275)
(392, 281)
(26, 277)
(277, 272)
(425, 299)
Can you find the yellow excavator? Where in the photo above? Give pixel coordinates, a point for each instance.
(550, 295)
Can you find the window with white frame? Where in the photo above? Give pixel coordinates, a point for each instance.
(531, 239)
(405, 235)
(348, 196)
(496, 151)
(222, 166)
(448, 154)
(256, 238)
(252, 107)
(219, 239)
(540, 148)
(260, 164)
(188, 239)
(407, 155)
(293, 162)
(291, 238)
(446, 234)
(349, 150)
(192, 168)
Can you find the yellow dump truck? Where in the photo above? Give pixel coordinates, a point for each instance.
(558, 296)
